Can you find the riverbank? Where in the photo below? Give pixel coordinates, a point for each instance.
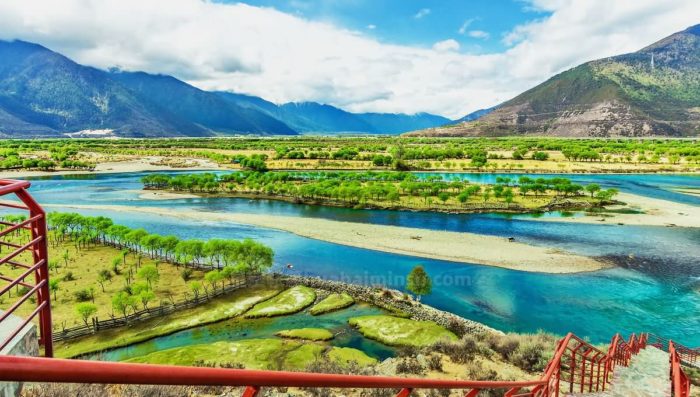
(467, 248)
(648, 212)
(143, 164)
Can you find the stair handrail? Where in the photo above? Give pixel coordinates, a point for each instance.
(686, 354)
(680, 383)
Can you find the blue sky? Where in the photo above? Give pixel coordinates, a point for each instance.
(477, 25)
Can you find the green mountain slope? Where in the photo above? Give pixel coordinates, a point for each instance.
(654, 91)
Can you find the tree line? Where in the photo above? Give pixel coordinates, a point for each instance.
(357, 187)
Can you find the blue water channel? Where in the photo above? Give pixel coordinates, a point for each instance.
(655, 288)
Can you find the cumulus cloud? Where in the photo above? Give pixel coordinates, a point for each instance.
(422, 13)
(446, 45)
(283, 57)
(371, 26)
(479, 34)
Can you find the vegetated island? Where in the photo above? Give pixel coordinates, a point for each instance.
(392, 191)
(467, 248)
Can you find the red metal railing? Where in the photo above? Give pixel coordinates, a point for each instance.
(680, 384)
(685, 354)
(33, 242)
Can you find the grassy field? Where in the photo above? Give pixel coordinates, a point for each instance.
(331, 303)
(396, 331)
(274, 354)
(290, 301)
(314, 334)
(78, 271)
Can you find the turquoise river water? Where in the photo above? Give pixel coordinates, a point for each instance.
(655, 288)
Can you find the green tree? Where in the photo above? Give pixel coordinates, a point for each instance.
(85, 310)
(54, 286)
(149, 273)
(593, 188)
(419, 282)
(121, 301)
(195, 287)
(213, 277)
(103, 276)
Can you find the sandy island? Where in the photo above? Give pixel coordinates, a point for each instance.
(135, 165)
(450, 246)
(656, 212)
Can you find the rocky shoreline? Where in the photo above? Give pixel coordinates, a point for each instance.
(392, 300)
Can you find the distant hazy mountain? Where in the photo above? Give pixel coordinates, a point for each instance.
(314, 117)
(654, 91)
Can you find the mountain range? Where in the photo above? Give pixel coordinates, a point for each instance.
(652, 92)
(45, 94)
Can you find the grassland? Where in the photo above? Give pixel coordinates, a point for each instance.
(77, 270)
(396, 331)
(274, 354)
(331, 303)
(313, 334)
(290, 301)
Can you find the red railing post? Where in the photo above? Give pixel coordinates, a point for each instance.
(36, 223)
(250, 391)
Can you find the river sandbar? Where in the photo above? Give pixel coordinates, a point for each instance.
(467, 248)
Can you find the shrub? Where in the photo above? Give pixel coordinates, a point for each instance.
(504, 345)
(457, 327)
(461, 352)
(69, 277)
(529, 356)
(83, 295)
(409, 365)
(435, 363)
(186, 274)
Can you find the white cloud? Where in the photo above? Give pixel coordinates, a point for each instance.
(479, 34)
(282, 57)
(465, 25)
(422, 13)
(371, 26)
(446, 45)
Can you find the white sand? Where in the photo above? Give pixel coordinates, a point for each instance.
(136, 165)
(162, 195)
(656, 213)
(450, 246)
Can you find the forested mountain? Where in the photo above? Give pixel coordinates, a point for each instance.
(654, 91)
(43, 93)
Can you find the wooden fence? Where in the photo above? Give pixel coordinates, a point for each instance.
(150, 313)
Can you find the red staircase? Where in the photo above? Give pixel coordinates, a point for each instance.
(577, 366)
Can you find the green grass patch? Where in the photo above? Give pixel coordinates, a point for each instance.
(275, 354)
(331, 303)
(216, 310)
(346, 355)
(291, 301)
(396, 331)
(315, 334)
